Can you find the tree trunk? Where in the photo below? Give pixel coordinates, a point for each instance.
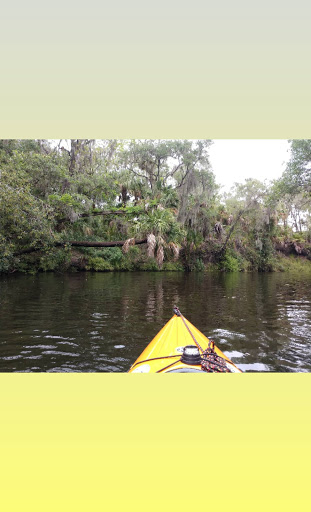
(118, 243)
(75, 149)
(123, 195)
(223, 248)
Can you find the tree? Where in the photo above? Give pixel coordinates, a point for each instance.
(252, 221)
(25, 220)
(161, 229)
(297, 176)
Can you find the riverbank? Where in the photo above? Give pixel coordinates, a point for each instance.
(112, 259)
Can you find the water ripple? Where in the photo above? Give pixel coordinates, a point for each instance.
(85, 322)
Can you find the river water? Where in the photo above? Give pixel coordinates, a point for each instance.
(101, 322)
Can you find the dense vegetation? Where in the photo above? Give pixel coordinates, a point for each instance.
(145, 205)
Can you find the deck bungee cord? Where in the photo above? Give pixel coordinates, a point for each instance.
(178, 313)
(210, 361)
(168, 366)
(153, 359)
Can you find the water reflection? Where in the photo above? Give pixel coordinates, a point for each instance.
(102, 322)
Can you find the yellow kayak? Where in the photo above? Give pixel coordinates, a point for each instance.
(181, 348)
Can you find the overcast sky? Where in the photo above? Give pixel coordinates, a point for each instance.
(234, 160)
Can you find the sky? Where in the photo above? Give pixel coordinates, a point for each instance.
(234, 160)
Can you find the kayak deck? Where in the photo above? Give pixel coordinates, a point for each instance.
(165, 353)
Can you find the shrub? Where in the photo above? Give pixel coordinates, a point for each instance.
(98, 264)
(113, 255)
(229, 263)
(150, 265)
(199, 265)
(55, 259)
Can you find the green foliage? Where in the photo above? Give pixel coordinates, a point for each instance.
(150, 265)
(6, 253)
(113, 255)
(266, 260)
(169, 198)
(112, 258)
(119, 261)
(229, 262)
(191, 245)
(157, 221)
(133, 252)
(299, 237)
(193, 238)
(296, 177)
(66, 199)
(57, 259)
(199, 265)
(24, 219)
(293, 264)
(98, 264)
(28, 264)
(50, 191)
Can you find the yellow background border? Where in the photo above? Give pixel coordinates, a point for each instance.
(94, 442)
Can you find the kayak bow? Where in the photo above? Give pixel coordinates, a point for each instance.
(181, 348)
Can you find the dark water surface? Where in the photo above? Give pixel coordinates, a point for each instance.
(101, 322)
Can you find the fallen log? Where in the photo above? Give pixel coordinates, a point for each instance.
(118, 243)
(73, 243)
